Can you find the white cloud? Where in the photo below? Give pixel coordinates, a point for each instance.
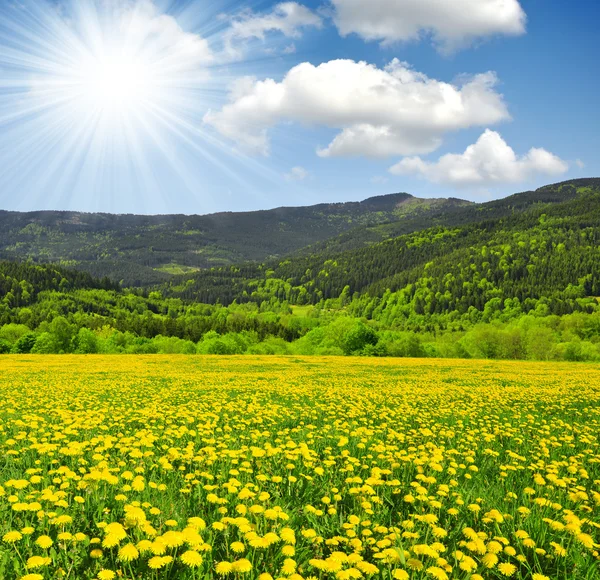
(287, 18)
(297, 174)
(580, 163)
(379, 112)
(143, 25)
(489, 161)
(451, 23)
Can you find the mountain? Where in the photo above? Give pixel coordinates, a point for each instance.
(528, 245)
(513, 278)
(142, 250)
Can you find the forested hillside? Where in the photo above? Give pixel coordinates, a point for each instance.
(143, 250)
(515, 278)
(526, 247)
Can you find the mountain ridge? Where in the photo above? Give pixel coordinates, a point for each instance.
(140, 250)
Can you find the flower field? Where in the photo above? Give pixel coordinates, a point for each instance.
(331, 468)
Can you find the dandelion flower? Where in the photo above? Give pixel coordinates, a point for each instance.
(192, 559)
(223, 568)
(128, 553)
(12, 537)
(507, 569)
(241, 566)
(44, 542)
(38, 561)
(489, 560)
(158, 562)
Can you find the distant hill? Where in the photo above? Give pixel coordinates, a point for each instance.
(529, 245)
(143, 250)
(513, 278)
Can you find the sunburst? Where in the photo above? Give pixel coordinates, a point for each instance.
(95, 93)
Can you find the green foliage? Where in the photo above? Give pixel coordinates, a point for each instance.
(46, 343)
(5, 346)
(145, 250)
(85, 342)
(513, 279)
(25, 344)
(358, 338)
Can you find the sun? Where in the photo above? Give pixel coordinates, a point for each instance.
(117, 83)
(114, 63)
(98, 98)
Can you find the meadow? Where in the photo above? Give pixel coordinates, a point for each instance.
(156, 467)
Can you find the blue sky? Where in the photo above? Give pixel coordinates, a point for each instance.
(150, 106)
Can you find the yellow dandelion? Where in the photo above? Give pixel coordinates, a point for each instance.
(44, 542)
(223, 568)
(191, 559)
(467, 564)
(489, 560)
(289, 567)
(437, 573)
(414, 564)
(158, 562)
(241, 566)
(38, 562)
(12, 537)
(507, 569)
(128, 553)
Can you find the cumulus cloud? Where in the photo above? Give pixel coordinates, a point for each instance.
(452, 24)
(489, 161)
(287, 18)
(143, 25)
(297, 174)
(379, 112)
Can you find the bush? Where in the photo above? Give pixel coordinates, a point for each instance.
(11, 333)
(5, 346)
(270, 345)
(25, 343)
(358, 338)
(45, 344)
(407, 345)
(374, 350)
(86, 342)
(141, 346)
(231, 343)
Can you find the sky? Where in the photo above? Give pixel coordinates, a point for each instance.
(197, 106)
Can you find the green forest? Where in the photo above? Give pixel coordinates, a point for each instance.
(517, 278)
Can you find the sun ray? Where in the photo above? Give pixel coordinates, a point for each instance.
(96, 95)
